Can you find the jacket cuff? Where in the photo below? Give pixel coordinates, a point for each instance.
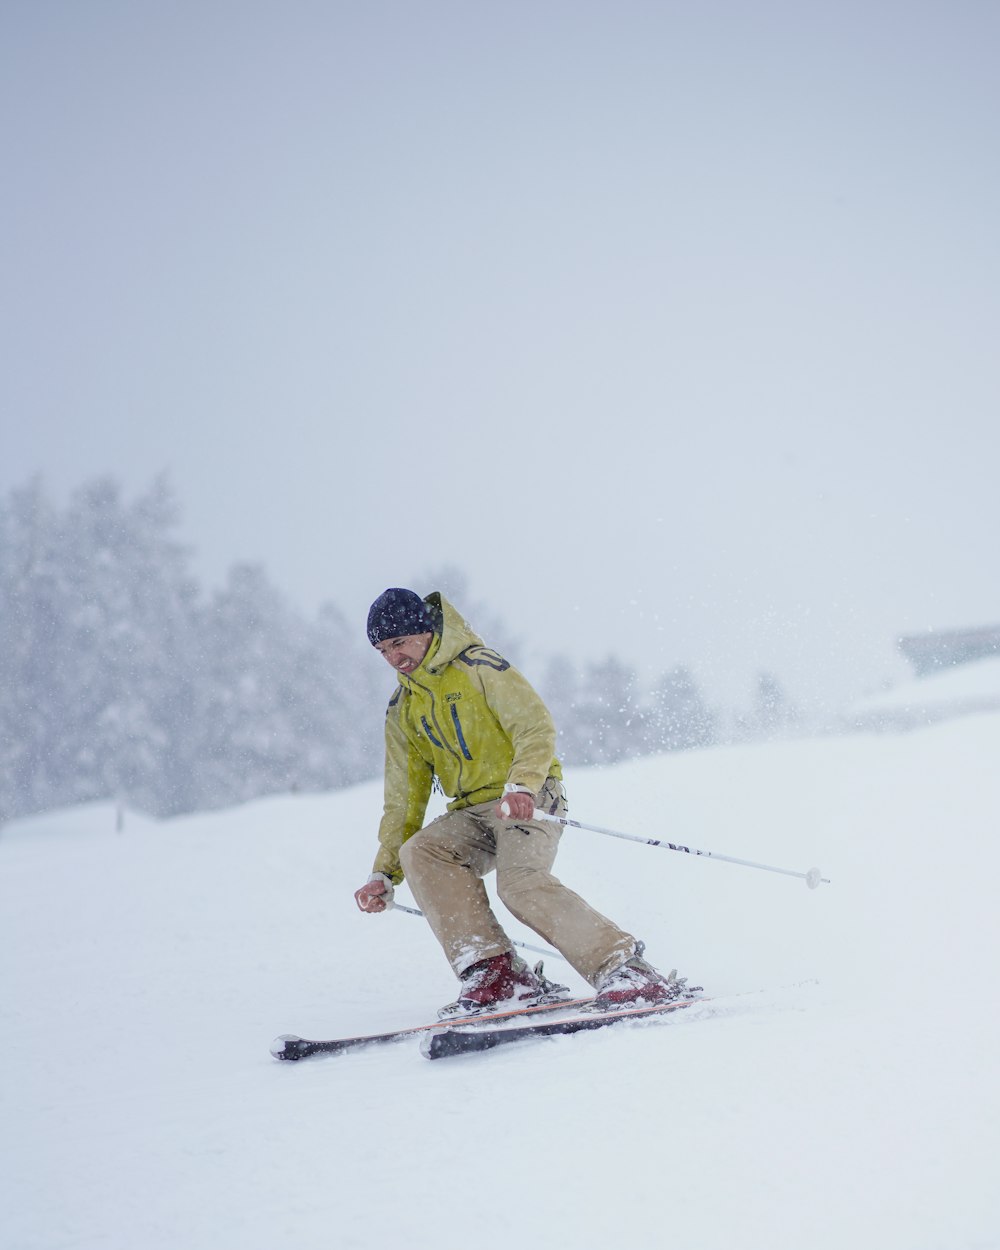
(393, 878)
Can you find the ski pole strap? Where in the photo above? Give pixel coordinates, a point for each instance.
(812, 878)
(525, 946)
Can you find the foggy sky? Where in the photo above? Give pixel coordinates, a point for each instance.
(675, 326)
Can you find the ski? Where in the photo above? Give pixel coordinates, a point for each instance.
(457, 1040)
(290, 1046)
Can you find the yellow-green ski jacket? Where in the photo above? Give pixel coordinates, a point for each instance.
(466, 717)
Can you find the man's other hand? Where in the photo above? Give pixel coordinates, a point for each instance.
(376, 894)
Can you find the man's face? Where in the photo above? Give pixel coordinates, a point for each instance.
(404, 654)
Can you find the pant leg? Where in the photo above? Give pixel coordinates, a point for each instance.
(526, 851)
(444, 864)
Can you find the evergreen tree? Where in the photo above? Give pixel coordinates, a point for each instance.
(131, 607)
(678, 716)
(771, 713)
(96, 610)
(560, 688)
(33, 652)
(607, 717)
(341, 713)
(289, 705)
(452, 582)
(252, 672)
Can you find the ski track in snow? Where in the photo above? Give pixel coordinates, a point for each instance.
(843, 1091)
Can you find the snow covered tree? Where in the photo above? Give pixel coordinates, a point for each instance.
(452, 582)
(678, 717)
(32, 651)
(607, 719)
(771, 714)
(96, 615)
(347, 736)
(131, 609)
(252, 701)
(560, 688)
(288, 704)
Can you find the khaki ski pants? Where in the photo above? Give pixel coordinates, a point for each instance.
(446, 861)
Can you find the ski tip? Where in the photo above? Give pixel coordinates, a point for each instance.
(443, 1043)
(285, 1046)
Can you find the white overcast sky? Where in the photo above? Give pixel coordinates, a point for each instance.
(675, 325)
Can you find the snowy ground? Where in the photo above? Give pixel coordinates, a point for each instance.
(846, 1095)
(966, 688)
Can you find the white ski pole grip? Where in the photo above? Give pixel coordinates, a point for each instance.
(812, 878)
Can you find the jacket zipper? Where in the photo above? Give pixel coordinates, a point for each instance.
(444, 744)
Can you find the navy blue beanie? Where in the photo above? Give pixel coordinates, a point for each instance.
(397, 613)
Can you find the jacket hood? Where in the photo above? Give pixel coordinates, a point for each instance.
(452, 634)
(456, 632)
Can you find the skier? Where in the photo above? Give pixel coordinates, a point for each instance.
(462, 716)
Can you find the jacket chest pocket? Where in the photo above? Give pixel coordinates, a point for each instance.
(430, 734)
(437, 737)
(456, 721)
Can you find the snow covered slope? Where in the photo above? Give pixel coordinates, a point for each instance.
(846, 1094)
(955, 691)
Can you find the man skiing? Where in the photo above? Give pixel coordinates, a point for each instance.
(463, 716)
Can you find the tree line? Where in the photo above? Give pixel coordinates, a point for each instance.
(121, 677)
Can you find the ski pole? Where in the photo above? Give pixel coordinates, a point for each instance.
(538, 950)
(812, 878)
